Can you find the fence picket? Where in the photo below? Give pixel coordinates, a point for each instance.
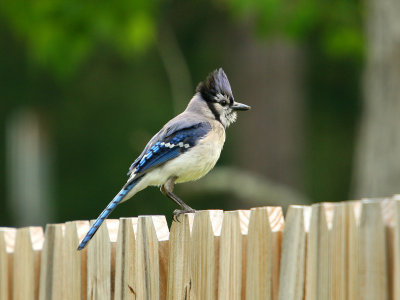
(101, 260)
(125, 284)
(26, 263)
(51, 263)
(331, 251)
(261, 252)
(75, 262)
(204, 254)
(373, 279)
(396, 250)
(231, 256)
(179, 282)
(151, 267)
(293, 254)
(319, 254)
(7, 243)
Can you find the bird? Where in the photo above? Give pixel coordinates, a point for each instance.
(185, 149)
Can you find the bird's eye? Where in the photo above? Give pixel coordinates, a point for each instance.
(223, 102)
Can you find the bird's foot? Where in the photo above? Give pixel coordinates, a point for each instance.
(178, 212)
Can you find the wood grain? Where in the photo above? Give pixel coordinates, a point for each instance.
(261, 252)
(125, 284)
(204, 254)
(344, 250)
(231, 254)
(7, 243)
(179, 281)
(373, 280)
(101, 260)
(75, 262)
(292, 271)
(152, 233)
(26, 267)
(51, 263)
(396, 249)
(319, 253)
(329, 251)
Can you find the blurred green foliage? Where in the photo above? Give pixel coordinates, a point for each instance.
(62, 34)
(93, 71)
(339, 21)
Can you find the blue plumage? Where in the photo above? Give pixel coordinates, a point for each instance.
(167, 148)
(171, 146)
(210, 111)
(110, 207)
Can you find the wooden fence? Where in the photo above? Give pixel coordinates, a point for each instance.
(333, 251)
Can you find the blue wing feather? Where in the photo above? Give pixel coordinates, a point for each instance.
(171, 146)
(158, 159)
(169, 143)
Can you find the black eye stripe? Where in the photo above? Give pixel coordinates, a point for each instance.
(214, 111)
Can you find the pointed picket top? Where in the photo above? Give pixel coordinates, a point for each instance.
(263, 242)
(333, 251)
(75, 262)
(275, 218)
(244, 217)
(373, 279)
(101, 260)
(388, 210)
(26, 266)
(125, 284)
(7, 243)
(8, 237)
(293, 253)
(204, 254)
(231, 275)
(51, 263)
(151, 271)
(319, 263)
(344, 244)
(179, 282)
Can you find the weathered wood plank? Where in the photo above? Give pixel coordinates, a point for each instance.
(7, 243)
(179, 282)
(293, 254)
(51, 263)
(204, 254)
(75, 262)
(26, 267)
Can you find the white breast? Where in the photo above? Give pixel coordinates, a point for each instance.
(193, 164)
(199, 160)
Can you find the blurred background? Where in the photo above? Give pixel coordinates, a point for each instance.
(85, 85)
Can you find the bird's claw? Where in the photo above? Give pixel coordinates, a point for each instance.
(178, 212)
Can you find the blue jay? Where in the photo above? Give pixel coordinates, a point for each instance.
(185, 149)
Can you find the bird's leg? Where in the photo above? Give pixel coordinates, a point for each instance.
(167, 189)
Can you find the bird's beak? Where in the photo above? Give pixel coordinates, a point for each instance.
(240, 106)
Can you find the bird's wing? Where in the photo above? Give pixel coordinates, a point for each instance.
(180, 122)
(169, 143)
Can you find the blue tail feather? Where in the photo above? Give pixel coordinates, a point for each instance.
(106, 212)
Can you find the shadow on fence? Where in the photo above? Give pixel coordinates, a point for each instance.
(338, 251)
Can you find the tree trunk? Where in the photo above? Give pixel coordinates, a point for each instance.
(377, 162)
(268, 76)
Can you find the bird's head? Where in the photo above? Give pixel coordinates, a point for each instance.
(217, 93)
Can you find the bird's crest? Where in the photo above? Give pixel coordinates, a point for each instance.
(216, 83)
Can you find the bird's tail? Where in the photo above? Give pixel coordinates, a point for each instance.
(110, 207)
